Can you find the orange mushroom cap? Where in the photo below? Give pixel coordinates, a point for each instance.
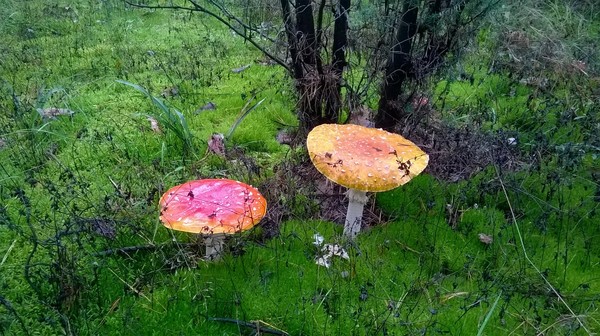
(363, 158)
(212, 206)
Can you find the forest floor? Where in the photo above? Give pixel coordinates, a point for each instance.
(498, 236)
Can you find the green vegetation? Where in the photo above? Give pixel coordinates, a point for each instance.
(76, 189)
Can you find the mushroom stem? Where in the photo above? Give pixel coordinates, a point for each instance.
(214, 246)
(356, 202)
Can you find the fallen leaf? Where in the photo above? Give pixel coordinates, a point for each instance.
(284, 137)
(323, 261)
(207, 107)
(216, 144)
(318, 239)
(53, 112)
(154, 125)
(240, 69)
(361, 116)
(331, 250)
(486, 239)
(170, 92)
(335, 250)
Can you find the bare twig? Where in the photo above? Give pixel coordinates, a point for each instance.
(522, 245)
(128, 249)
(12, 310)
(227, 16)
(258, 326)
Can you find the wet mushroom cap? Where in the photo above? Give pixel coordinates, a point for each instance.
(363, 158)
(212, 206)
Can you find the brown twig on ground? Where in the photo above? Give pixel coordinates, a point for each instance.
(258, 326)
(12, 310)
(128, 249)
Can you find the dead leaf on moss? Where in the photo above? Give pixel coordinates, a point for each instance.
(207, 107)
(216, 144)
(284, 137)
(154, 125)
(53, 112)
(240, 69)
(172, 91)
(329, 251)
(486, 239)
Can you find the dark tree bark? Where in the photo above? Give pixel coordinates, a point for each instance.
(399, 68)
(318, 71)
(309, 104)
(439, 26)
(320, 87)
(338, 63)
(340, 36)
(291, 37)
(305, 35)
(438, 46)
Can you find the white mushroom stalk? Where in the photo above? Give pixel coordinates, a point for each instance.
(214, 246)
(363, 160)
(356, 203)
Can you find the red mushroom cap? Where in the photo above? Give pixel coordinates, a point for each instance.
(363, 158)
(212, 206)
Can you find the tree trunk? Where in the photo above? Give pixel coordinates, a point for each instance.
(340, 37)
(338, 63)
(399, 68)
(319, 86)
(306, 31)
(291, 37)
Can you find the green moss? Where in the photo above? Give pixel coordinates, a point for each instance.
(76, 188)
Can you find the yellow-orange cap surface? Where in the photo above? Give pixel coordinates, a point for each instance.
(363, 158)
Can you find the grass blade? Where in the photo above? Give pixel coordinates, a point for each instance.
(243, 115)
(488, 315)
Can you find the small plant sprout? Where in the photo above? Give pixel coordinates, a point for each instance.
(212, 208)
(363, 160)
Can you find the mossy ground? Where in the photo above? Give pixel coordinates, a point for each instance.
(76, 186)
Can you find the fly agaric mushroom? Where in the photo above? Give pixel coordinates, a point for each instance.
(213, 208)
(363, 160)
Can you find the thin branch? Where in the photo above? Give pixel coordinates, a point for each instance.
(291, 37)
(231, 16)
(539, 272)
(199, 8)
(258, 326)
(12, 310)
(128, 249)
(319, 39)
